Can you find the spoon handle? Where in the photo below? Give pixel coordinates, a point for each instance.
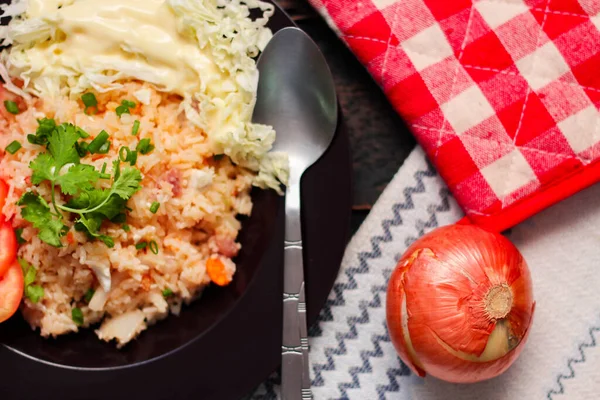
(306, 391)
(295, 379)
(292, 362)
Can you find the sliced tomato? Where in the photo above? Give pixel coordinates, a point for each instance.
(3, 194)
(11, 291)
(8, 246)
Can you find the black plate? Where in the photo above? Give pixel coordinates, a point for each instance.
(222, 345)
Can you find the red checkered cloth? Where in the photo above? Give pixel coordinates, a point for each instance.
(502, 94)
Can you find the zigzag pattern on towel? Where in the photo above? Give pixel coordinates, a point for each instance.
(363, 318)
(366, 355)
(582, 346)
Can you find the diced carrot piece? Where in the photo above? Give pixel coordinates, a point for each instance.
(217, 273)
(70, 237)
(146, 282)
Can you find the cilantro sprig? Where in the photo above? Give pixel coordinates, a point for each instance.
(61, 167)
(32, 292)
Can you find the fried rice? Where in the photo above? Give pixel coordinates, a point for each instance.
(200, 196)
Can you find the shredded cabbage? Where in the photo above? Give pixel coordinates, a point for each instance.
(219, 93)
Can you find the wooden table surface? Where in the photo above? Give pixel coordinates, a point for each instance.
(380, 140)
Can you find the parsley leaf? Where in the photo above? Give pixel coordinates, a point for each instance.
(60, 165)
(36, 211)
(61, 145)
(78, 178)
(128, 183)
(92, 224)
(45, 128)
(42, 168)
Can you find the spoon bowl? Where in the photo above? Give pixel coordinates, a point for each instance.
(296, 95)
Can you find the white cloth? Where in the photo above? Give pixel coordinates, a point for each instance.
(352, 356)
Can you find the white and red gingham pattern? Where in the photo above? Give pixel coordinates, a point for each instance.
(502, 94)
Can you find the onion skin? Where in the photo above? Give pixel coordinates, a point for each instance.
(452, 288)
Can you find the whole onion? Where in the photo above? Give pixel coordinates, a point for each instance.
(460, 304)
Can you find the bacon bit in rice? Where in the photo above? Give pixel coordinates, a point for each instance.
(146, 282)
(227, 246)
(28, 180)
(174, 178)
(70, 238)
(217, 273)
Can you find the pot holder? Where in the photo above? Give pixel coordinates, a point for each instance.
(502, 94)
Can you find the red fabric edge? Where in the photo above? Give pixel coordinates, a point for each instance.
(538, 201)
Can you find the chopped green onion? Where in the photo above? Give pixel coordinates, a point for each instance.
(124, 153)
(136, 127)
(98, 142)
(126, 227)
(82, 134)
(103, 168)
(141, 245)
(154, 207)
(11, 107)
(13, 147)
(82, 148)
(88, 295)
(19, 233)
(34, 293)
(117, 170)
(124, 107)
(153, 246)
(133, 157)
(24, 265)
(89, 100)
(144, 146)
(104, 176)
(167, 292)
(30, 275)
(104, 148)
(77, 316)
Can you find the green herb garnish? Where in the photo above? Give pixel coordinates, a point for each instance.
(141, 245)
(136, 128)
(45, 128)
(144, 146)
(153, 246)
(77, 316)
(124, 107)
(125, 227)
(13, 147)
(89, 100)
(11, 107)
(88, 295)
(98, 142)
(154, 207)
(61, 166)
(104, 148)
(19, 234)
(33, 292)
(167, 293)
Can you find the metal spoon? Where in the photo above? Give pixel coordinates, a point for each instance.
(296, 95)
